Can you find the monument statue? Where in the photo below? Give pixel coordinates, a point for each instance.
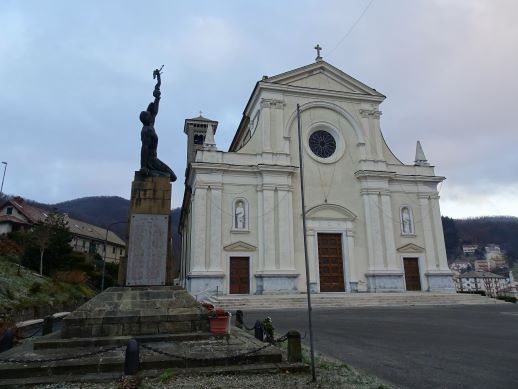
(150, 165)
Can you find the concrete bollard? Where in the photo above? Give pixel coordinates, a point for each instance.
(258, 330)
(7, 340)
(294, 347)
(48, 324)
(239, 319)
(132, 358)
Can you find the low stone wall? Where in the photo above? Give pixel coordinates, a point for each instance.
(41, 311)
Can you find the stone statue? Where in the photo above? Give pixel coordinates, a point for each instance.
(150, 165)
(406, 221)
(240, 216)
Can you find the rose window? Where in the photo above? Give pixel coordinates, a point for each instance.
(322, 144)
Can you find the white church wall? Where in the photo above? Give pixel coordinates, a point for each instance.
(362, 176)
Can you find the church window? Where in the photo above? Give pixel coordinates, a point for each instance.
(198, 139)
(407, 221)
(240, 215)
(322, 144)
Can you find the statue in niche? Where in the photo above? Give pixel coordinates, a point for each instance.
(239, 216)
(150, 165)
(406, 220)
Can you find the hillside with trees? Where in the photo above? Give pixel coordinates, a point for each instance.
(500, 230)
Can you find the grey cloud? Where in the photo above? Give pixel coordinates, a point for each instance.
(75, 76)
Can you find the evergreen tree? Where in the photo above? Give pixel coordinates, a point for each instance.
(48, 247)
(451, 237)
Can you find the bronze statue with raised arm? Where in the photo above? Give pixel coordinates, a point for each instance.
(150, 165)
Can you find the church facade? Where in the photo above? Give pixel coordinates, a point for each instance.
(373, 224)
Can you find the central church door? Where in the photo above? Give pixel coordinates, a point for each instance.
(330, 263)
(239, 275)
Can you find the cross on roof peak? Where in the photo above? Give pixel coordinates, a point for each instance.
(318, 48)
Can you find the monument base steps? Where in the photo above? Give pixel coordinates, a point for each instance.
(237, 352)
(169, 324)
(258, 368)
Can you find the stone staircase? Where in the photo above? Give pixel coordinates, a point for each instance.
(346, 300)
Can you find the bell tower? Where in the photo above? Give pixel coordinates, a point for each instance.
(196, 130)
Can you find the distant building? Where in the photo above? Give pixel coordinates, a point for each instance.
(492, 250)
(460, 266)
(496, 256)
(475, 281)
(483, 264)
(16, 214)
(469, 249)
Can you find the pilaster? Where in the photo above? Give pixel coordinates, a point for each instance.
(215, 228)
(269, 227)
(198, 237)
(428, 231)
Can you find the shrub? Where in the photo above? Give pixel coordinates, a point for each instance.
(35, 288)
(6, 324)
(9, 247)
(71, 277)
(7, 292)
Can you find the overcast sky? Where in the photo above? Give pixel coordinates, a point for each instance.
(74, 76)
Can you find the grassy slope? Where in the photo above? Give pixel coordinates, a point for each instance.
(29, 289)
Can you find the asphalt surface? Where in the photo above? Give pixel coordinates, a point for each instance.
(416, 347)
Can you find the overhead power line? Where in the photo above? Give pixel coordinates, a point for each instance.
(352, 27)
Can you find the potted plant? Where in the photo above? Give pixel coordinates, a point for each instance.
(219, 321)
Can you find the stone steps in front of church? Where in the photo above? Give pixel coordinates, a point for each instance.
(345, 300)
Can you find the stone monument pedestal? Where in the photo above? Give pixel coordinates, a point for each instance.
(124, 311)
(149, 260)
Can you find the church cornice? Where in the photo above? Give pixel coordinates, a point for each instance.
(212, 167)
(418, 178)
(365, 174)
(313, 92)
(393, 176)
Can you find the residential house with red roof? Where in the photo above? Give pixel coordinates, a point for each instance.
(16, 214)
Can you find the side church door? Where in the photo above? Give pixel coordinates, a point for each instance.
(239, 275)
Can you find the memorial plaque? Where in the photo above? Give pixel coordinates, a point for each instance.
(147, 253)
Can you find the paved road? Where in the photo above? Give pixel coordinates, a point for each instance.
(417, 347)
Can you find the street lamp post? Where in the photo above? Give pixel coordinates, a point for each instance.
(105, 249)
(2, 187)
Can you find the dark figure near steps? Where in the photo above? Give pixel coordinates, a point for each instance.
(150, 165)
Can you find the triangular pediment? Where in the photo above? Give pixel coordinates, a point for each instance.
(411, 248)
(330, 212)
(323, 76)
(239, 246)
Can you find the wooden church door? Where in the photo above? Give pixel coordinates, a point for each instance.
(330, 263)
(412, 277)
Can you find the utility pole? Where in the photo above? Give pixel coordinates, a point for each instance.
(308, 288)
